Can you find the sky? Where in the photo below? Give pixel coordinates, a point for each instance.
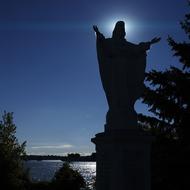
(49, 73)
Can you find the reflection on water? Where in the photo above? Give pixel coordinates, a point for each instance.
(45, 170)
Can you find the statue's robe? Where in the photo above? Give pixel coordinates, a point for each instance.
(122, 67)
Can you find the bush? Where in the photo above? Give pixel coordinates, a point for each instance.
(67, 179)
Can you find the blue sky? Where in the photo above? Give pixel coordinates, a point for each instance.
(49, 74)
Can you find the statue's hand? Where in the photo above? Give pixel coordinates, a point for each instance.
(155, 40)
(95, 29)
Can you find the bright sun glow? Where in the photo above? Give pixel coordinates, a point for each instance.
(129, 25)
(111, 24)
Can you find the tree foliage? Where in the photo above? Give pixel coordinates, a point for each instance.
(169, 101)
(168, 98)
(12, 173)
(168, 94)
(68, 179)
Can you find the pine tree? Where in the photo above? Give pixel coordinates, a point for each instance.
(12, 173)
(168, 94)
(168, 98)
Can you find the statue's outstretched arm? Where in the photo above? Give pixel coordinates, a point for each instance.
(98, 33)
(146, 45)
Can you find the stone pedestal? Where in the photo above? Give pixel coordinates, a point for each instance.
(123, 160)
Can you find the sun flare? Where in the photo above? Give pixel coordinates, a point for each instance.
(111, 24)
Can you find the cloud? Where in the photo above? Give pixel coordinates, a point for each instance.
(62, 146)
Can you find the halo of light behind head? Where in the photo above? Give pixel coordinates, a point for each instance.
(111, 24)
(107, 25)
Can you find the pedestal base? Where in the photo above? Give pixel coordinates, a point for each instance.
(123, 160)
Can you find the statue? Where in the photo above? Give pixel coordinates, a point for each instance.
(122, 67)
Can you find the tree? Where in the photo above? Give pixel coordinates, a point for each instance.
(73, 156)
(168, 97)
(68, 179)
(12, 173)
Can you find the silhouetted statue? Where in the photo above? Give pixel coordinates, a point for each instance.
(122, 67)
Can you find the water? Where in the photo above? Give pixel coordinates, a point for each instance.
(45, 170)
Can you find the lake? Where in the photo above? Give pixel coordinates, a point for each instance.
(45, 170)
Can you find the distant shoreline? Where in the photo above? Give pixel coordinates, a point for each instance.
(69, 158)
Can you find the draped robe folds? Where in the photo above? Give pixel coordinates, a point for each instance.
(122, 67)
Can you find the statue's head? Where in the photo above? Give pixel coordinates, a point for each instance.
(119, 30)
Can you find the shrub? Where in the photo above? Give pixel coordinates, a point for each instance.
(67, 179)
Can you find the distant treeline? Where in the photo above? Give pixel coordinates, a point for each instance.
(70, 157)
